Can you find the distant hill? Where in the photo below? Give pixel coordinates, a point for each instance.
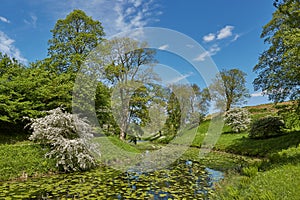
(261, 110)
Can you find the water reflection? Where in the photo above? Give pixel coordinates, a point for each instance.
(199, 180)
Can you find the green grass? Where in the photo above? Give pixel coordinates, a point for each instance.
(23, 159)
(255, 169)
(278, 183)
(111, 140)
(115, 152)
(242, 145)
(12, 139)
(26, 159)
(216, 160)
(277, 177)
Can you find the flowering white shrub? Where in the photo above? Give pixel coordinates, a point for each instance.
(69, 138)
(238, 118)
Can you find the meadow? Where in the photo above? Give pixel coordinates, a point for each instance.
(252, 168)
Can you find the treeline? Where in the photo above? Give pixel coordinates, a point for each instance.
(27, 91)
(127, 98)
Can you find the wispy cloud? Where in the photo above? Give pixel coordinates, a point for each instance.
(7, 47)
(212, 51)
(134, 14)
(225, 32)
(210, 37)
(179, 78)
(115, 16)
(5, 20)
(32, 21)
(163, 47)
(237, 36)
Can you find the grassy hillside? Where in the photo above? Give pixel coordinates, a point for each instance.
(274, 170)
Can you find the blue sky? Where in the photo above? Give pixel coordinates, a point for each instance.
(229, 30)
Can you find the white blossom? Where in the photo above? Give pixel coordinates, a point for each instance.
(69, 138)
(238, 118)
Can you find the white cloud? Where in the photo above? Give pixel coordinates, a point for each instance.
(3, 19)
(7, 47)
(257, 94)
(179, 78)
(208, 38)
(225, 32)
(163, 47)
(221, 34)
(212, 51)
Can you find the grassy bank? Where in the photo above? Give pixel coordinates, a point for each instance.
(22, 160)
(275, 178)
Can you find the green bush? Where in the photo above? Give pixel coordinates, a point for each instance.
(290, 114)
(266, 127)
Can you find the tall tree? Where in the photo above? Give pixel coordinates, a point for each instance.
(73, 38)
(279, 66)
(174, 118)
(121, 65)
(228, 89)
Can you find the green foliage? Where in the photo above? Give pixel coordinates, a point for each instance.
(73, 38)
(266, 127)
(47, 84)
(186, 107)
(229, 89)
(13, 103)
(25, 92)
(68, 137)
(238, 118)
(24, 160)
(290, 114)
(121, 69)
(250, 171)
(278, 66)
(174, 118)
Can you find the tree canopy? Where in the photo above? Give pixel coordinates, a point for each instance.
(278, 68)
(121, 68)
(73, 38)
(228, 89)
